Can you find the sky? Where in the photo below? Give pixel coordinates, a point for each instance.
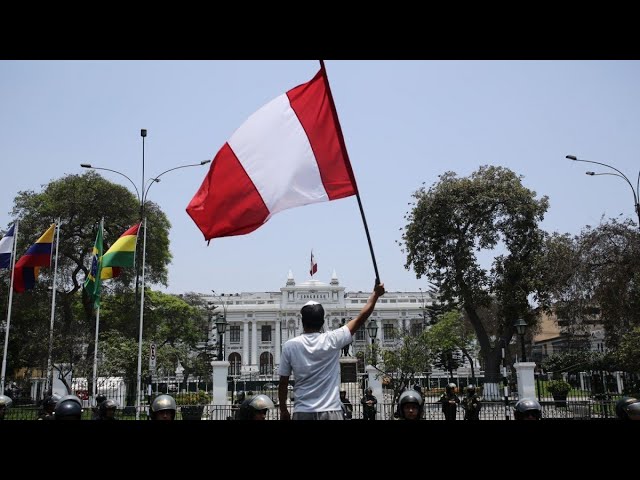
(404, 123)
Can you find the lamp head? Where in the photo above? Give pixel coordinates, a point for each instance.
(520, 325)
(572, 157)
(86, 165)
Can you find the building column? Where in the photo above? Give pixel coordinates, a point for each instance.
(254, 345)
(526, 379)
(276, 357)
(245, 343)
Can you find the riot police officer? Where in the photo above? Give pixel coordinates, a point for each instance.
(163, 407)
(5, 403)
(68, 408)
(107, 410)
(471, 404)
(527, 409)
(410, 405)
(450, 401)
(48, 406)
(255, 408)
(628, 408)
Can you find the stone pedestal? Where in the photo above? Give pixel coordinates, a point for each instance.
(348, 370)
(219, 390)
(526, 379)
(375, 382)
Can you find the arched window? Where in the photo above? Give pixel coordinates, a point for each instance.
(266, 363)
(236, 363)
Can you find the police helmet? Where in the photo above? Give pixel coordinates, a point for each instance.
(369, 391)
(100, 398)
(240, 396)
(72, 398)
(624, 405)
(106, 405)
(527, 406)
(410, 396)
(5, 401)
(68, 409)
(253, 405)
(451, 387)
(471, 389)
(163, 402)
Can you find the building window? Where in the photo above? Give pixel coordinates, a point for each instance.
(266, 363)
(266, 333)
(416, 329)
(360, 335)
(388, 331)
(234, 332)
(235, 361)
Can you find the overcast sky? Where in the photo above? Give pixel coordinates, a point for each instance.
(404, 122)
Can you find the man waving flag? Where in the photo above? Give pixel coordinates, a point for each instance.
(287, 154)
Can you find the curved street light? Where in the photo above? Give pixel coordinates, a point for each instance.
(142, 200)
(636, 190)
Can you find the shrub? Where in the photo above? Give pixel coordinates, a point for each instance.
(193, 398)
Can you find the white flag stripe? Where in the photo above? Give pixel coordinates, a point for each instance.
(273, 140)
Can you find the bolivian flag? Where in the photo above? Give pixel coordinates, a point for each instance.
(121, 254)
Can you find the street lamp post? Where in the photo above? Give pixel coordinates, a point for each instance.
(423, 309)
(221, 327)
(372, 330)
(142, 199)
(521, 326)
(635, 191)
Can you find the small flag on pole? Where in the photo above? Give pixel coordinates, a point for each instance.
(28, 266)
(92, 283)
(121, 254)
(314, 266)
(6, 248)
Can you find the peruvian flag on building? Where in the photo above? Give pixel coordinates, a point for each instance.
(289, 153)
(314, 266)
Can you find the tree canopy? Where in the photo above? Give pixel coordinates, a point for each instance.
(455, 220)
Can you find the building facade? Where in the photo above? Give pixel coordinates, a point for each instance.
(258, 323)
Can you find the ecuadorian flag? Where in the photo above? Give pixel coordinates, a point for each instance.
(38, 255)
(121, 254)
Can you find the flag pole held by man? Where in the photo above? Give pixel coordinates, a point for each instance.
(289, 153)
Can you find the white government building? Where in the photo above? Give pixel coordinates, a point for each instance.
(258, 323)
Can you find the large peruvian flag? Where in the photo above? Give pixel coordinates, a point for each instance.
(289, 153)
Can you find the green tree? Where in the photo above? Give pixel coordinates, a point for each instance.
(450, 339)
(595, 277)
(79, 201)
(456, 219)
(410, 356)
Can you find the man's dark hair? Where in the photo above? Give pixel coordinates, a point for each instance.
(312, 317)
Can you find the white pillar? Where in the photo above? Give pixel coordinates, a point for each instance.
(278, 342)
(219, 390)
(245, 343)
(526, 379)
(254, 344)
(375, 383)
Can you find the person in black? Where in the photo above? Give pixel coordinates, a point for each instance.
(471, 404)
(369, 403)
(347, 407)
(449, 401)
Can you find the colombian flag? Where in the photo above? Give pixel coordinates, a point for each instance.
(121, 254)
(38, 255)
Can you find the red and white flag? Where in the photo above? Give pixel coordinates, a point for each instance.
(287, 154)
(314, 266)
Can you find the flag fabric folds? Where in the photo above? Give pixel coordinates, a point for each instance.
(314, 266)
(287, 154)
(121, 254)
(92, 283)
(28, 266)
(6, 248)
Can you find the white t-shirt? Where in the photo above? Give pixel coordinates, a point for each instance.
(314, 360)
